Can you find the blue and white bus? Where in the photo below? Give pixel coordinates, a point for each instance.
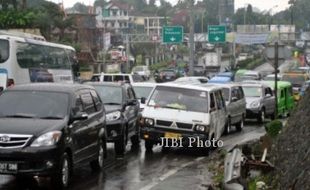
(26, 60)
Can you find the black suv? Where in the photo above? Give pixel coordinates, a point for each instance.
(122, 113)
(49, 129)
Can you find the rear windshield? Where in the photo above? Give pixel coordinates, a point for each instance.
(110, 94)
(252, 91)
(180, 99)
(142, 91)
(4, 50)
(34, 104)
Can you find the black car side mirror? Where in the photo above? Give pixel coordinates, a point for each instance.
(143, 100)
(80, 116)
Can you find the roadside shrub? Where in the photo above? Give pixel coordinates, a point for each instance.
(273, 128)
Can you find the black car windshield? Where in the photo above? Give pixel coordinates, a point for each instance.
(180, 99)
(110, 94)
(142, 91)
(34, 104)
(252, 91)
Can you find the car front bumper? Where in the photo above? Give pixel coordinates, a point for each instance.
(252, 113)
(41, 161)
(156, 135)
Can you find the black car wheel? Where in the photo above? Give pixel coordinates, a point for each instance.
(240, 125)
(149, 145)
(97, 164)
(62, 178)
(120, 145)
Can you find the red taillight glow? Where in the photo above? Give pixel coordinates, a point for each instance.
(11, 82)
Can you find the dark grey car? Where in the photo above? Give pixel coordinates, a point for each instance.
(260, 101)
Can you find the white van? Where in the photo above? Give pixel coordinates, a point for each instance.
(116, 77)
(184, 112)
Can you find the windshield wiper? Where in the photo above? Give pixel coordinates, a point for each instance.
(172, 107)
(20, 116)
(51, 117)
(112, 103)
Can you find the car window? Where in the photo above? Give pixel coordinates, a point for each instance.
(118, 78)
(268, 91)
(78, 105)
(212, 102)
(96, 100)
(226, 94)
(127, 79)
(95, 78)
(107, 78)
(88, 103)
(219, 100)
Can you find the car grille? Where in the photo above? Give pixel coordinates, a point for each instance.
(184, 125)
(13, 141)
(164, 123)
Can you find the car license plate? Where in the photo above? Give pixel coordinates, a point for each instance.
(172, 135)
(8, 167)
(168, 77)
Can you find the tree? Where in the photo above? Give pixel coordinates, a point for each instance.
(100, 3)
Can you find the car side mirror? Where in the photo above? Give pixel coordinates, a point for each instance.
(234, 99)
(80, 116)
(143, 100)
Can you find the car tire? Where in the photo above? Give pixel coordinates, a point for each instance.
(63, 175)
(148, 145)
(240, 125)
(228, 126)
(135, 140)
(120, 145)
(97, 164)
(261, 116)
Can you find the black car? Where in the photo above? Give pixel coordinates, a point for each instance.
(49, 129)
(166, 75)
(122, 113)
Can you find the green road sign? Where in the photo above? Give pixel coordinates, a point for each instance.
(172, 34)
(217, 34)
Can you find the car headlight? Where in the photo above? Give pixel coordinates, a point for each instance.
(47, 139)
(113, 116)
(149, 122)
(255, 104)
(201, 128)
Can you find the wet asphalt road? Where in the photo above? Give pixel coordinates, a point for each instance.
(177, 169)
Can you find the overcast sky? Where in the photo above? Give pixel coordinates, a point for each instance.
(275, 5)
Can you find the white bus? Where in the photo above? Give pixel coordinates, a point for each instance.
(27, 60)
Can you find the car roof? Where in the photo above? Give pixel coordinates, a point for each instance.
(190, 78)
(113, 84)
(220, 79)
(99, 74)
(253, 84)
(226, 85)
(50, 87)
(190, 86)
(144, 84)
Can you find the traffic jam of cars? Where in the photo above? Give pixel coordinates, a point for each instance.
(48, 129)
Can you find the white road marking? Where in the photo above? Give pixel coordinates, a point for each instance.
(170, 173)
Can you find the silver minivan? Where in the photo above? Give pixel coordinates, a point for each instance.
(235, 105)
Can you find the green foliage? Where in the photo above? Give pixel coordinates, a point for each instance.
(273, 128)
(159, 66)
(250, 63)
(20, 19)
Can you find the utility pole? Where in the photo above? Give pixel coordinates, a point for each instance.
(127, 52)
(276, 63)
(191, 38)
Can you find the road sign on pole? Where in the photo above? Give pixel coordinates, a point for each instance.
(217, 34)
(172, 34)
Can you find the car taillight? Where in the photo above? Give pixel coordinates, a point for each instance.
(11, 82)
